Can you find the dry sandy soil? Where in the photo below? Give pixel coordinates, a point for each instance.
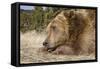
(31, 43)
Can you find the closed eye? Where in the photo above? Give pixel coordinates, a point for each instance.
(53, 27)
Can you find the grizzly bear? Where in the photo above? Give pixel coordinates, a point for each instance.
(71, 32)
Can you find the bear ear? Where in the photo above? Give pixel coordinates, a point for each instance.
(69, 14)
(56, 13)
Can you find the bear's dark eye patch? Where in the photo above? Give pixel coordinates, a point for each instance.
(53, 27)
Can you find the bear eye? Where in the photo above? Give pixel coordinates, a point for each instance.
(53, 27)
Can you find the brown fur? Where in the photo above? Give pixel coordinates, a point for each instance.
(71, 32)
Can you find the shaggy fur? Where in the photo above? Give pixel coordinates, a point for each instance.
(71, 32)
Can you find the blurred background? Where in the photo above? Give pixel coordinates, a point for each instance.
(37, 17)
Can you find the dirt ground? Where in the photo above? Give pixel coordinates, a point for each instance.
(31, 43)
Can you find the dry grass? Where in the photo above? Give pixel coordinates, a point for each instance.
(31, 43)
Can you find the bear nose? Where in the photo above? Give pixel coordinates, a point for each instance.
(45, 43)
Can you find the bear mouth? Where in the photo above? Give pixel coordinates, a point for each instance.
(51, 49)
